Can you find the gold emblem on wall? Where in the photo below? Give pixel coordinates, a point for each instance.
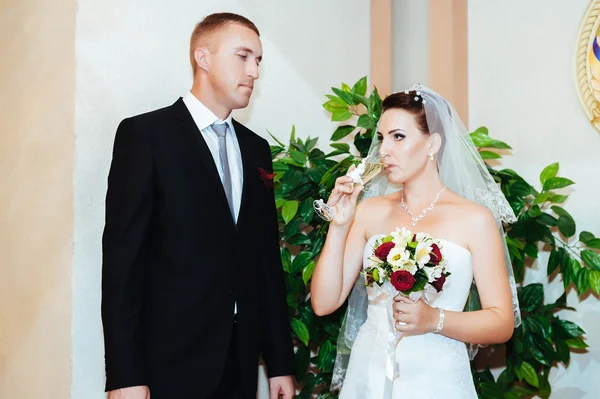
(587, 63)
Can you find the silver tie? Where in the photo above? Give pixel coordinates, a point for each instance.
(221, 131)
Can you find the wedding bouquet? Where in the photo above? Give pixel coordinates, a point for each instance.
(412, 263)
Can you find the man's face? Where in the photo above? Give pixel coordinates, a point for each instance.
(233, 65)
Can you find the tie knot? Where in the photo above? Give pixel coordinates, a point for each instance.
(220, 129)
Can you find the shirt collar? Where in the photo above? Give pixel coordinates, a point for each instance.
(203, 116)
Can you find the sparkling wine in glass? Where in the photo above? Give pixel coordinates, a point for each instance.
(364, 172)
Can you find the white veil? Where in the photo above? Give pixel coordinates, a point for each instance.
(463, 171)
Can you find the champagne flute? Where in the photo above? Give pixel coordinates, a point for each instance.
(364, 172)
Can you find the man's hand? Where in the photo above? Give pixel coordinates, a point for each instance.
(139, 392)
(283, 386)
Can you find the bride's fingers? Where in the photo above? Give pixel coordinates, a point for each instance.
(356, 193)
(404, 299)
(403, 327)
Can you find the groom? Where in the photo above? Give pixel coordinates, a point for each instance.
(192, 283)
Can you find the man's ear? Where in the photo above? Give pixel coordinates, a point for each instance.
(202, 57)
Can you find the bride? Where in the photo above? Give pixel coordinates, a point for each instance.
(447, 192)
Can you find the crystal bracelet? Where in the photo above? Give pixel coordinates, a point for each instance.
(441, 322)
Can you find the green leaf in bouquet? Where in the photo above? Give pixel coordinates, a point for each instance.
(301, 331)
(549, 172)
(289, 210)
(591, 259)
(557, 182)
(360, 87)
(342, 131)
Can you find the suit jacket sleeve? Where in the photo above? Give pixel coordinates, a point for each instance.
(277, 347)
(128, 211)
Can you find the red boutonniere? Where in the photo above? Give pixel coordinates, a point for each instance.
(266, 177)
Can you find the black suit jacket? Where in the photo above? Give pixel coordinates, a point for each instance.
(175, 262)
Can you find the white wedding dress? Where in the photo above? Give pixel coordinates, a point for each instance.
(430, 365)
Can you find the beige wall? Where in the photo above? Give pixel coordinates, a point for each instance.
(37, 76)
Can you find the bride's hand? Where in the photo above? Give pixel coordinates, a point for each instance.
(343, 200)
(414, 318)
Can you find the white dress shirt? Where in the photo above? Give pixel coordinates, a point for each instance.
(204, 118)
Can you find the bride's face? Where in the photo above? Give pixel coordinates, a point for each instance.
(404, 148)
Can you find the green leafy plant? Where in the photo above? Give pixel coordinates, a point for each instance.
(303, 173)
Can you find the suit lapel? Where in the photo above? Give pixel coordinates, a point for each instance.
(199, 151)
(244, 140)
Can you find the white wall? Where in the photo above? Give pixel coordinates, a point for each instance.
(132, 57)
(522, 86)
(410, 43)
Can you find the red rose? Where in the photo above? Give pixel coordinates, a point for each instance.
(414, 238)
(266, 177)
(436, 255)
(383, 250)
(402, 280)
(438, 283)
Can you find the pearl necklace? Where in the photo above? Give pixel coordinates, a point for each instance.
(414, 218)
